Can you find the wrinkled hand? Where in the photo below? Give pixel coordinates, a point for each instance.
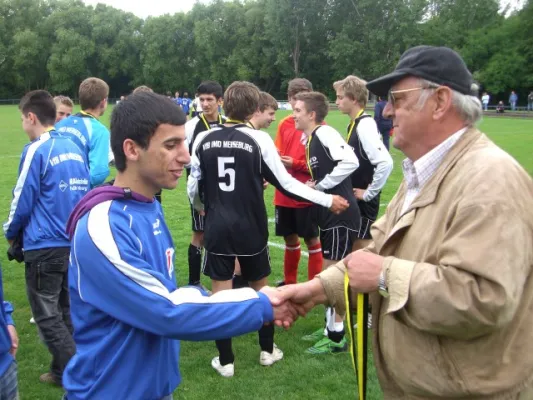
(303, 296)
(287, 161)
(339, 204)
(359, 193)
(311, 183)
(364, 269)
(14, 340)
(285, 313)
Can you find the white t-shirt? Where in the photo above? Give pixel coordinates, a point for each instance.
(196, 103)
(485, 99)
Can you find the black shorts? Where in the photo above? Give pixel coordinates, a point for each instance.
(298, 221)
(337, 242)
(221, 268)
(364, 230)
(369, 213)
(197, 220)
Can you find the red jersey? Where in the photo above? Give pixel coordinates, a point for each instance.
(291, 142)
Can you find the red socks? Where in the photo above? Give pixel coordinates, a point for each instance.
(314, 267)
(290, 264)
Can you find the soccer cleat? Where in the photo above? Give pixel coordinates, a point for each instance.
(226, 371)
(280, 284)
(266, 358)
(328, 346)
(32, 320)
(315, 336)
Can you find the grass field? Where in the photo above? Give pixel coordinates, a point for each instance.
(298, 376)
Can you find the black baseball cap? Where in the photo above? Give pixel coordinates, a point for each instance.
(441, 65)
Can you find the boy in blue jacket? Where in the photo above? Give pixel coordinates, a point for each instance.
(53, 177)
(91, 136)
(127, 310)
(8, 348)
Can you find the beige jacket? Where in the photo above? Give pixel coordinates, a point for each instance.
(459, 320)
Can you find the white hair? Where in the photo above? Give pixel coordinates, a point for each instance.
(469, 107)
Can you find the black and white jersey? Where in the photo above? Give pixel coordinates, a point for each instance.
(197, 125)
(227, 171)
(331, 162)
(375, 162)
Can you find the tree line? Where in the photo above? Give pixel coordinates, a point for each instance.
(54, 44)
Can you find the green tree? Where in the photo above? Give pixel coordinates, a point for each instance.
(70, 59)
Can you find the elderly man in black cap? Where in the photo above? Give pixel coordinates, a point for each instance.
(449, 269)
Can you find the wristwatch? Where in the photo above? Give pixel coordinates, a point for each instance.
(382, 285)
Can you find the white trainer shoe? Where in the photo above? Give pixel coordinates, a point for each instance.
(226, 371)
(266, 358)
(32, 320)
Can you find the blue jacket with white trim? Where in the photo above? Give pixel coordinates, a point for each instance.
(6, 359)
(92, 137)
(128, 312)
(53, 177)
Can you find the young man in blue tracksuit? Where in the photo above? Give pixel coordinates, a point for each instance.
(127, 311)
(53, 177)
(87, 132)
(8, 349)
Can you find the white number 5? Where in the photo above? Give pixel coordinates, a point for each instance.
(223, 172)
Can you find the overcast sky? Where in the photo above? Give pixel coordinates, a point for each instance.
(145, 8)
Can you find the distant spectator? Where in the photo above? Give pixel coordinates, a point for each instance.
(530, 101)
(177, 98)
(513, 99)
(121, 99)
(384, 124)
(485, 99)
(185, 103)
(500, 108)
(196, 107)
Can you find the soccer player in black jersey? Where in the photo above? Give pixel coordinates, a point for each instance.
(209, 96)
(261, 119)
(375, 162)
(331, 163)
(228, 166)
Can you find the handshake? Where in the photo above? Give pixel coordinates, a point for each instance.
(364, 270)
(293, 301)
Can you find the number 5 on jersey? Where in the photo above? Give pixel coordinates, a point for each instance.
(224, 172)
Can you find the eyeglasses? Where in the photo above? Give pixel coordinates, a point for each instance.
(392, 100)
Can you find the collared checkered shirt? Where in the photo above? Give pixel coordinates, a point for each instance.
(417, 173)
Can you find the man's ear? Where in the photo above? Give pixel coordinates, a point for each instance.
(131, 149)
(443, 101)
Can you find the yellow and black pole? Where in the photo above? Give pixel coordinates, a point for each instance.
(359, 340)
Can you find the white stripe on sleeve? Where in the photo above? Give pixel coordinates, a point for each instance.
(99, 230)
